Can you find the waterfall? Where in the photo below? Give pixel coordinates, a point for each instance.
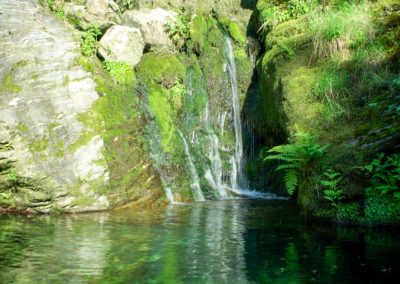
(238, 177)
(197, 193)
(170, 196)
(214, 175)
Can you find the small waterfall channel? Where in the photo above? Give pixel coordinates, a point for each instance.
(238, 178)
(197, 193)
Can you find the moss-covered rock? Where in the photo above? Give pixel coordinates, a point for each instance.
(300, 90)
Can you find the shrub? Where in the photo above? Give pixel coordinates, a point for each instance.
(89, 42)
(385, 177)
(179, 29)
(272, 14)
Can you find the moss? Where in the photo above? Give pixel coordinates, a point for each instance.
(160, 105)
(237, 32)
(51, 129)
(86, 63)
(22, 127)
(215, 37)
(83, 140)
(9, 85)
(60, 145)
(382, 210)
(73, 20)
(244, 68)
(39, 146)
(164, 69)
(60, 154)
(116, 116)
(199, 29)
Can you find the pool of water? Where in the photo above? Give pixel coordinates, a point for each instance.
(232, 241)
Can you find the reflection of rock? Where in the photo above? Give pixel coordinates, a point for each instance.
(103, 12)
(151, 23)
(122, 43)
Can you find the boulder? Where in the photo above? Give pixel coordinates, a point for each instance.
(152, 23)
(122, 43)
(105, 13)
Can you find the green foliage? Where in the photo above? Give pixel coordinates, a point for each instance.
(234, 30)
(179, 29)
(339, 26)
(60, 13)
(89, 43)
(13, 176)
(50, 4)
(129, 4)
(177, 94)
(385, 177)
(331, 88)
(272, 14)
(295, 157)
(382, 210)
(334, 194)
(119, 70)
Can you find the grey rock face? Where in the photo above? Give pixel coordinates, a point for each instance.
(122, 43)
(42, 93)
(102, 12)
(151, 23)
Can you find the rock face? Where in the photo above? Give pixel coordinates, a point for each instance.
(122, 43)
(103, 12)
(151, 23)
(51, 158)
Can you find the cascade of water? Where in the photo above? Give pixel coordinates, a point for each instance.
(238, 176)
(214, 176)
(170, 196)
(197, 193)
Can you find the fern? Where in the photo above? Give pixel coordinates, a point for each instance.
(296, 156)
(291, 180)
(333, 193)
(385, 177)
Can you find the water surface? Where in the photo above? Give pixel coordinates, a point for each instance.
(232, 241)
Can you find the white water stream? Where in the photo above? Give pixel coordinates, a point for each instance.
(238, 178)
(197, 193)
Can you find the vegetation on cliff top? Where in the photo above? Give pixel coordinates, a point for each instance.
(333, 67)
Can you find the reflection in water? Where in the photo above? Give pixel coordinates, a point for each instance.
(232, 241)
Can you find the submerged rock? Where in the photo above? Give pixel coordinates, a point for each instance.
(122, 43)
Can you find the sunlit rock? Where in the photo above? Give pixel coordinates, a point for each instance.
(152, 24)
(122, 43)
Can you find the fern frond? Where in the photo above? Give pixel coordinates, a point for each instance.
(282, 158)
(291, 180)
(287, 166)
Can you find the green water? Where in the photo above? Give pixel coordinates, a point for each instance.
(233, 241)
